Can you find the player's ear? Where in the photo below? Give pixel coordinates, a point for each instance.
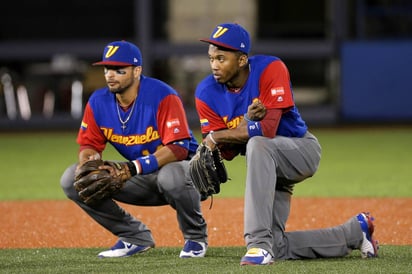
(243, 60)
(137, 71)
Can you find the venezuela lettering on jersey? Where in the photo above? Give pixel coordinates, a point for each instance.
(234, 122)
(149, 136)
(229, 124)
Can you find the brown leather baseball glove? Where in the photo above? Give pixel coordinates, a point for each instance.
(95, 184)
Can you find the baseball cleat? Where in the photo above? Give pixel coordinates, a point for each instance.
(193, 249)
(369, 246)
(257, 256)
(123, 249)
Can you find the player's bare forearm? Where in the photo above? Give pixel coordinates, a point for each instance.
(164, 156)
(87, 154)
(237, 135)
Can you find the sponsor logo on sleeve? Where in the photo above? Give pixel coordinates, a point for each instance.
(173, 123)
(277, 91)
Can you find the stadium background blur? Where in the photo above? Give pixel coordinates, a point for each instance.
(349, 60)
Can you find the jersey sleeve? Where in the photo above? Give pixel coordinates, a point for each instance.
(275, 88)
(172, 120)
(89, 133)
(209, 120)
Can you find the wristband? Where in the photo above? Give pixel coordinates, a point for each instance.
(148, 164)
(211, 137)
(254, 129)
(132, 168)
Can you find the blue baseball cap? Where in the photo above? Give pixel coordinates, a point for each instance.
(231, 36)
(121, 53)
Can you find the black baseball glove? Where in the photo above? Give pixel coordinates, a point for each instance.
(207, 171)
(95, 184)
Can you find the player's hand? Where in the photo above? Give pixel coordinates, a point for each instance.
(117, 170)
(256, 111)
(87, 157)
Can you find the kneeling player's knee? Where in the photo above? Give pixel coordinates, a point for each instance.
(257, 145)
(66, 182)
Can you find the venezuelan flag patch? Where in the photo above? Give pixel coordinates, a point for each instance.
(204, 122)
(83, 125)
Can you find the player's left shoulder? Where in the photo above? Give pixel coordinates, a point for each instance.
(263, 59)
(262, 63)
(156, 87)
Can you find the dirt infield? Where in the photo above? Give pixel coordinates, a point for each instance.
(40, 224)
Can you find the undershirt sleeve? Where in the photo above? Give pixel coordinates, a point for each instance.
(179, 151)
(270, 122)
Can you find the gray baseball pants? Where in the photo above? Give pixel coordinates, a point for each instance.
(171, 185)
(274, 166)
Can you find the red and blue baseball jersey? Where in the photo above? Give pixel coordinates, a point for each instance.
(158, 119)
(268, 81)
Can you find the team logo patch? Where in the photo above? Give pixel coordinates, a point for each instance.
(112, 50)
(277, 91)
(173, 123)
(219, 32)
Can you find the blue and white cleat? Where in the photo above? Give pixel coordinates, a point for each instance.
(257, 256)
(123, 249)
(369, 247)
(193, 249)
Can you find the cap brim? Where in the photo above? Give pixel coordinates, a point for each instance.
(216, 43)
(112, 63)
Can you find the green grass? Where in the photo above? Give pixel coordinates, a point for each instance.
(355, 162)
(368, 163)
(34, 162)
(393, 259)
(373, 162)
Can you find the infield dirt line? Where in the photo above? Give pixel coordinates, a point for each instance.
(37, 224)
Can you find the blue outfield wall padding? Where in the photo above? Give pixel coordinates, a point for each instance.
(376, 81)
